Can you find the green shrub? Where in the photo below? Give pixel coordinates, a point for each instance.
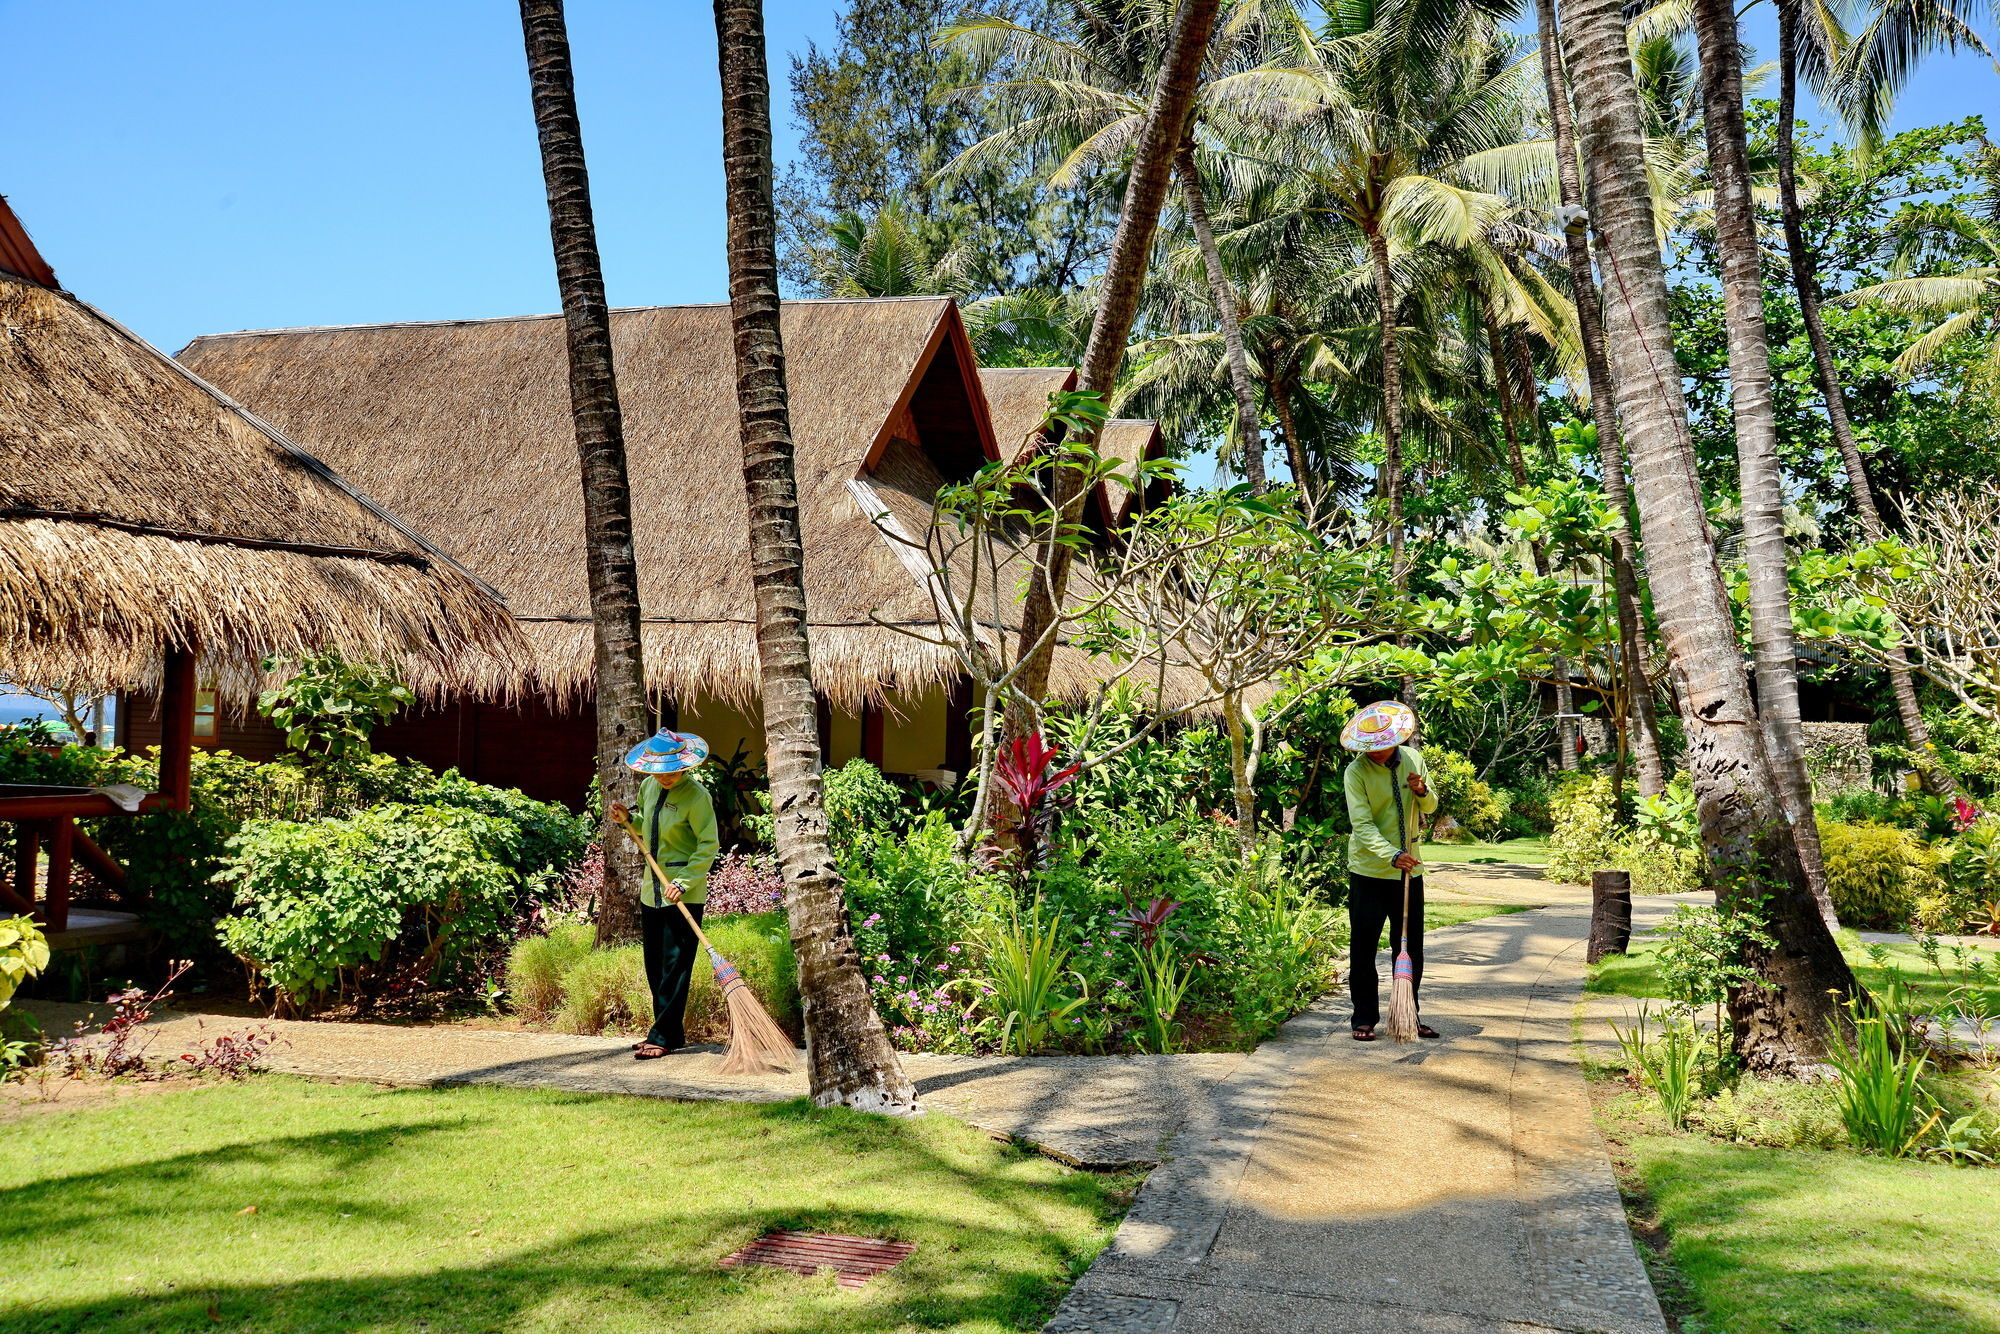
(1529, 811)
(1657, 866)
(398, 887)
(552, 838)
(1462, 796)
(860, 800)
(1585, 838)
(1875, 872)
(912, 896)
(536, 965)
(24, 953)
(605, 989)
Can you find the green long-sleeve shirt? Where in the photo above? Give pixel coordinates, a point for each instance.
(678, 824)
(1372, 845)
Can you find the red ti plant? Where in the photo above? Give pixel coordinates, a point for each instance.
(1963, 814)
(1025, 770)
(1146, 924)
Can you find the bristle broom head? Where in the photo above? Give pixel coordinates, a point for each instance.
(1403, 1002)
(756, 1044)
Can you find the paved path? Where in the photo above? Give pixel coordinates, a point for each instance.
(1335, 1187)
(1091, 1111)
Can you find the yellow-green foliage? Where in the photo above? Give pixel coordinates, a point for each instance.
(1584, 839)
(24, 952)
(1462, 795)
(1657, 867)
(561, 979)
(1876, 873)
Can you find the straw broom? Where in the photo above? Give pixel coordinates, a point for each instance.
(756, 1044)
(1403, 992)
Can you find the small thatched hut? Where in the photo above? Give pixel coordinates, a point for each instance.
(141, 511)
(155, 536)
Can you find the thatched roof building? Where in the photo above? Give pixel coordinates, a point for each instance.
(142, 512)
(1019, 398)
(464, 428)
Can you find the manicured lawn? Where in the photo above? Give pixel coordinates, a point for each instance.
(283, 1205)
(1514, 851)
(1634, 973)
(1774, 1241)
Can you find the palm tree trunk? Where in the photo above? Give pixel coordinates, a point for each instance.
(1288, 429)
(1392, 425)
(613, 572)
(1642, 721)
(1756, 431)
(1117, 309)
(1249, 430)
(848, 1056)
(1805, 282)
(1782, 1019)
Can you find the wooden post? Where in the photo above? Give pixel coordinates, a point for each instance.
(27, 862)
(177, 730)
(20, 892)
(55, 905)
(1610, 914)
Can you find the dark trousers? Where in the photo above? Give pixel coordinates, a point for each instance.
(670, 949)
(1370, 904)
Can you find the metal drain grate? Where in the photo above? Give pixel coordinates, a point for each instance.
(854, 1259)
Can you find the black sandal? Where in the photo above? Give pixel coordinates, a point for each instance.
(1426, 1031)
(1364, 1032)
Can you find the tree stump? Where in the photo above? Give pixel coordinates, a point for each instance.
(1610, 913)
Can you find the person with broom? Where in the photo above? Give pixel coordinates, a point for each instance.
(677, 827)
(1388, 794)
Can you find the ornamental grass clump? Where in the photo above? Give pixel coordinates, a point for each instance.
(1026, 967)
(537, 965)
(1879, 1081)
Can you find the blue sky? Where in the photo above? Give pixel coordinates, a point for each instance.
(230, 165)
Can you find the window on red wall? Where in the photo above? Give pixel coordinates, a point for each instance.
(205, 717)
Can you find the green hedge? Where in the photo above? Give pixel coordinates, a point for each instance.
(1876, 873)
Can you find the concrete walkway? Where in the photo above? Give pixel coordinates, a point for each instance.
(1336, 1187)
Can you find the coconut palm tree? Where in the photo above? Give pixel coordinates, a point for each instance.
(1642, 724)
(1859, 78)
(849, 1059)
(1078, 103)
(622, 719)
(1781, 1020)
(1157, 142)
(1967, 299)
(1762, 489)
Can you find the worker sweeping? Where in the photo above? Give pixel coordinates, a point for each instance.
(676, 827)
(1388, 794)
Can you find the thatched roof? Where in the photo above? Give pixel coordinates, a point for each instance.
(464, 428)
(1019, 399)
(140, 510)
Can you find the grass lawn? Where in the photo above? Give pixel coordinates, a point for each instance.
(1440, 915)
(284, 1205)
(1771, 1240)
(1635, 974)
(1515, 851)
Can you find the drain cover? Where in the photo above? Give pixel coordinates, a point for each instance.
(854, 1259)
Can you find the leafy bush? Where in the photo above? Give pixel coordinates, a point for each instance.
(912, 896)
(330, 706)
(1585, 838)
(1529, 810)
(1462, 797)
(745, 883)
(423, 889)
(860, 800)
(550, 838)
(24, 953)
(1859, 806)
(1875, 872)
(537, 965)
(1971, 880)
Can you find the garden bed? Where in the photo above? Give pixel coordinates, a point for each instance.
(282, 1205)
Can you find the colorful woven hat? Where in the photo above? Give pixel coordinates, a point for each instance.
(667, 752)
(1381, 725)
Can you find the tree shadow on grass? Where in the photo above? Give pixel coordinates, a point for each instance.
(629, 1259)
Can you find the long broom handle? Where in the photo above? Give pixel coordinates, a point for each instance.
(1402, 842)
(647, 853)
